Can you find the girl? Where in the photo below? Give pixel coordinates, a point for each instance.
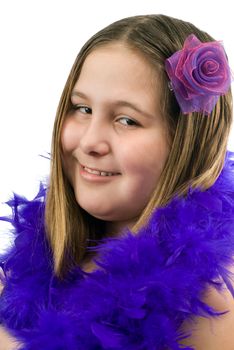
(131, 244)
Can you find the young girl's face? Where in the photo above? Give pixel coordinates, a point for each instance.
(114, 140)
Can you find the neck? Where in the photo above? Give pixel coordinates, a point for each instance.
(116, 228)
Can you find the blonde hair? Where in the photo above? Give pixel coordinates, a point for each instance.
(198, 143)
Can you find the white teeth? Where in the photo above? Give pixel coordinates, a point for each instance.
(96, 172)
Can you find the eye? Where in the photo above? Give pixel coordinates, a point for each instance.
(82, 109)
(128, 121)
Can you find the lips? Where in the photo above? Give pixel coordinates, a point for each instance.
(99, 172)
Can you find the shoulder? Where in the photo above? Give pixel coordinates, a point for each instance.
(1, 277)
(215, 332)
(30, 250)
(1, 287)
(7, 341)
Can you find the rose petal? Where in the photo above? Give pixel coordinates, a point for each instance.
(199, 74)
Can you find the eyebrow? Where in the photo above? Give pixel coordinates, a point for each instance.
(118, 103)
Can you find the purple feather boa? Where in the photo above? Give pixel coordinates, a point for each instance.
(147, 284)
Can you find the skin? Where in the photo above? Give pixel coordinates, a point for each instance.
(116, 138)
(97, 138)
(103, 139)
(6, 340)
(211, 333)
(208, 334)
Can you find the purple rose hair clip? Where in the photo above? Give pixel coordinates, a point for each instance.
(199, 74)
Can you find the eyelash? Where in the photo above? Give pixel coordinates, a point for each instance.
(77, 108)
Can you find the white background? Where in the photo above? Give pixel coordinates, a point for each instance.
(39, 42)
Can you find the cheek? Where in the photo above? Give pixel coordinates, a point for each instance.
(68, 144)
(148, 160)
(69, 136)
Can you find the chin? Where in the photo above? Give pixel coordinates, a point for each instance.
(95, 212)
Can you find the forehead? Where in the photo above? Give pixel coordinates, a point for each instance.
(118, 65)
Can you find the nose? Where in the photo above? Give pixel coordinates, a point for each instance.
(94, 138)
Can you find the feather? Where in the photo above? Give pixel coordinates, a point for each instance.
(146, 286)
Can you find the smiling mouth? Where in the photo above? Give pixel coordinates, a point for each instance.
(99, 172)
